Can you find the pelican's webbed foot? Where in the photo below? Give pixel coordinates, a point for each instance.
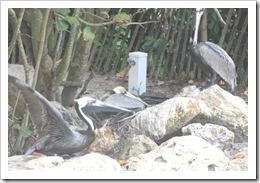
(204, 86)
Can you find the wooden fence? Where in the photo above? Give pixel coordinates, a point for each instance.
(168, 42)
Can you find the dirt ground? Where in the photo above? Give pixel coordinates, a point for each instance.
(99, 84)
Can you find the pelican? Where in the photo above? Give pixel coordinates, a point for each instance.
(56, 130)
(212, 59)
(120, 97)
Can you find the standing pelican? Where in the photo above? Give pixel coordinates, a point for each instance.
(120, 97)
(57, 134)
(212, 59)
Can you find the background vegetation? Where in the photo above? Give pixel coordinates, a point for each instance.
(62, 45)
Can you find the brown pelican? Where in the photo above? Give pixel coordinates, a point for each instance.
(57, 134)
(212, 59)
(120, 97)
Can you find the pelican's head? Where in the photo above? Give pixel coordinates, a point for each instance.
(199, 13)
(88, 105)
(122, 90)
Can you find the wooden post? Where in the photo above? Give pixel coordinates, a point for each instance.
(137, 73)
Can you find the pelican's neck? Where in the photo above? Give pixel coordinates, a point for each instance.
(86, 119)
(196, 32)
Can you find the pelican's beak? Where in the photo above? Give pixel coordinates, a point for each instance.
(135, 98)
(102, 107)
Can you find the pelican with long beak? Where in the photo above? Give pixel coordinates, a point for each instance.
(87, 105)
(55, 128)
(212, 59)
(120, 97)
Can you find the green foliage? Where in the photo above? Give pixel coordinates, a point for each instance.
(72, 20)
(213, 25)
(88, 34)
(104, 13)
(23, 130)
(156, 44)
(242, 78)
(62, 25)
(62, 11)
(122, 18)
(163, 72)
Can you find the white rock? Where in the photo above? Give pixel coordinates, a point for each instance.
(89, 162)
(216, 135)
(133, 146)
(186, 153)
(213, 105)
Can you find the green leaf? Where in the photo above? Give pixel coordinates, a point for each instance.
(62, 25)
(104, 13)
(155, 45)
(17, 126)
(148, 41)
(72, 20)
(97, 43)
(63, 11)
(25, 132)
(88, 34)
(162, 42)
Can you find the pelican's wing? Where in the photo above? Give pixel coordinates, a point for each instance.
(65, 115)
(120, 100)
(219, 60)
(46, 118)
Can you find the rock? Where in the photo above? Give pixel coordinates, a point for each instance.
(238, 155)
(89, 162)
(216, 135)
(186, 153)
(213, 105)
(33, 163)
(133, 146)
(225, 110)
(166, 118)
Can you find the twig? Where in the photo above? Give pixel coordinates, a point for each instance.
(16, 29)
(220, 17)
(41, 45)
(85, 85)
(129, 117)
(105, 23)
(140, 23)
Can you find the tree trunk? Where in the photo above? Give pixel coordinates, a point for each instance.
(80, 61)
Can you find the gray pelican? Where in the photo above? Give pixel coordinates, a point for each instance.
(212, 59)
(57, 134)
(120, 97)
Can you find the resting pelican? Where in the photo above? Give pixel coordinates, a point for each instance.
(120, 97)
(57, 134)
(212, 59)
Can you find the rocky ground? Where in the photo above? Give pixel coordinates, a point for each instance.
(184, 133)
